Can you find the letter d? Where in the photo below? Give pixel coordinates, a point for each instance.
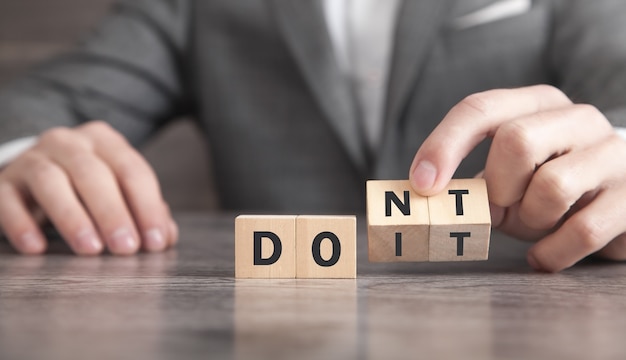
(278, 248)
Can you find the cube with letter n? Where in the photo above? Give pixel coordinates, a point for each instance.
(397, 222)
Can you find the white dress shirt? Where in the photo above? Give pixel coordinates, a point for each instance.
(9, 151)
(362, 33)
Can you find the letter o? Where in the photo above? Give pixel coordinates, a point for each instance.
(316, 249)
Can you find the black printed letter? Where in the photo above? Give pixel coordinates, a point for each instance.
(404, 207)
(459, 241)
(459, 199)
(398, 244)
(278, 248)
(316, 249)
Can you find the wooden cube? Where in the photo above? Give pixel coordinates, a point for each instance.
(460, 222)
(397, 222)
(265, 246)
(326, 246)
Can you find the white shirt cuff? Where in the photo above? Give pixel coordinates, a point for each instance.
(12, 149)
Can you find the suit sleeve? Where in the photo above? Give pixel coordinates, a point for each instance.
(127, 72)
(589, 54)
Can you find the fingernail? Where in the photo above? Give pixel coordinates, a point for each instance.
(532, 261)
(424, 175)
(31, 243)
(155, 240)
(122, 241)
(88, 243)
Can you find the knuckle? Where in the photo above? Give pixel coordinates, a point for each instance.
(82, 165)
(617, 146)
(131, 166)
(39, 168)
(98, 126)
(550, 90)
(553, 187)
(590, 111)
(594, 114)
(103, 129)
(57, 135)
(589, 233)
(480, 103)
(514, 139)
(63, 137)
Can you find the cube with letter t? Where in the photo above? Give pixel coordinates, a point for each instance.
(460, 222)
(453, 225)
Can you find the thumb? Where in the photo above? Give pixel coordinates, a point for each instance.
(435, 163)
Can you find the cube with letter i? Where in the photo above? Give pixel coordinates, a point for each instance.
(397, 222)
(460, 222)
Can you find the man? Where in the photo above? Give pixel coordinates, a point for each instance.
(295, 104)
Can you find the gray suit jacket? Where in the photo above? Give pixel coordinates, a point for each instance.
(260, 77)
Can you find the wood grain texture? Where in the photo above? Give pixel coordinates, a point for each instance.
(396, 234)
(274, 236)
(330, 239)
(460, 222)
(186, 303)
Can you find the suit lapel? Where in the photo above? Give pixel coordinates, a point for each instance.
(418, 24)
(304, 29)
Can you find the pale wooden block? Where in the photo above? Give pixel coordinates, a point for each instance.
(460, 222)
(249, 227)
(326, 247)
(396, 231)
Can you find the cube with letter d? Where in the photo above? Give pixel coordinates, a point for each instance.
(265, 246)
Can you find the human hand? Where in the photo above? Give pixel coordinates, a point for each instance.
(555, 171)
(95, 189)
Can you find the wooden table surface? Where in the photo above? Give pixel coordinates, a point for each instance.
(186, 304)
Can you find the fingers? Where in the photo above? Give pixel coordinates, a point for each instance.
(98, 190)
(615, 250)
(507, 221)
(553, 172)
(173, 227)
(17, 223)
(522, 145)
(586, 232)
(51, 189)
(560, 183)
(138, 184)
(93, 186)
(467, 124)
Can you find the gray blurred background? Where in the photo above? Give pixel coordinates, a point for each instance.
(32, 31)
